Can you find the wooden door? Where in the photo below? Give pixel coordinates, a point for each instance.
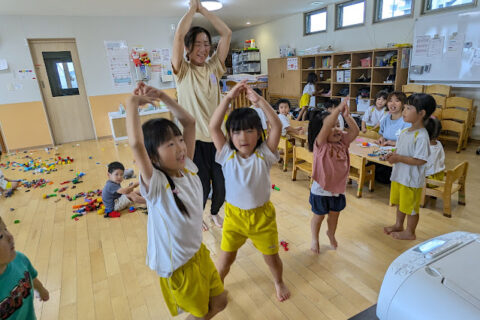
(276, 70)
(60, 79)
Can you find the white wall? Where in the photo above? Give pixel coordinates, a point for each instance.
(89, 32)
(289, 31)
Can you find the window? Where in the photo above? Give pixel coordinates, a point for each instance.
(61, 73)
(315, 21)
(350, 13)
(388, 9)
(433, 5)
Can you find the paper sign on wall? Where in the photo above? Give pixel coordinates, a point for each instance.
(25, 74)
(3, 64)
(292, 63)
(118, 59)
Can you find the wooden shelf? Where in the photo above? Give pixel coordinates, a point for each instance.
(388, 67)
(360, 68)
(383, 84)
(360, 83)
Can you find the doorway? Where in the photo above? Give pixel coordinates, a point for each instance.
(60, 79)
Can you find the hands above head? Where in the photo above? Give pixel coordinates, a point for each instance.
(237, 89)
(345, 109)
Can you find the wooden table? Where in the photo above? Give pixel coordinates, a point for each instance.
(364, 151)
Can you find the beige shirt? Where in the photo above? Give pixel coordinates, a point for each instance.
(199, 92)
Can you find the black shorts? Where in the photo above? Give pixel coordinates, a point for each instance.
(323, 204)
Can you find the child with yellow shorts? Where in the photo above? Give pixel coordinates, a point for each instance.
(246, 158)
(409, 164)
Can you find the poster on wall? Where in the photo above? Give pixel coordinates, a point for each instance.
(118, 60)
(161, 63)
(292, 63)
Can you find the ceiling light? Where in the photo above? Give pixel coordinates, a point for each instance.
(212, 5)
(248, 22)
(316, 3)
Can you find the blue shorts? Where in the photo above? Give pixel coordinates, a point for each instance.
(323, 204)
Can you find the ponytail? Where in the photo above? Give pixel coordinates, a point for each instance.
(179, 202)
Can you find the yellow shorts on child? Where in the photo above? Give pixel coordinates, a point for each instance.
(282, 141)
(258, 224)
(407, 198)
(371, 128)
(439, 176)
(191, 286)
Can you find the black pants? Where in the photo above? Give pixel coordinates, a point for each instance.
(210, 171)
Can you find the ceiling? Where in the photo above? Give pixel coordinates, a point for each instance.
(235, 13)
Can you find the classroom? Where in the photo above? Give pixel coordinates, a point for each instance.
(137, 182)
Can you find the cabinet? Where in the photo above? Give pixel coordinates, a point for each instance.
(283, 83)
(338, 73)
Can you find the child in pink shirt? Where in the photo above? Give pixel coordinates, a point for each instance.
(331, 164)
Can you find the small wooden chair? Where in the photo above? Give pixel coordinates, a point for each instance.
(304, 124)
(361, 173)
(463, 104)
(302, 160)
(439, 89)
(286, 145)
(454, 182)
(454, 126)
(412, 88)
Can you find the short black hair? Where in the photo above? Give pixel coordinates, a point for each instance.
(315, 125)
(243, 119)
(191, 35)
(400, 96)
(422, 101)
(381, 94)
(332, 103)
(312, 77)
(115, 166)
(433, 126)
(284, 101)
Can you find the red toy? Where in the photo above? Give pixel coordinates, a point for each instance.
(284, 244)
(132, 209)
(275, 187)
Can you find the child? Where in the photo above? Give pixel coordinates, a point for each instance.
(436, 161)
(7, 185)
(331, 165)
(246, 159)
(393, 124)
(309, 90)
(116, 198)
(330, 105)
(170, 184)
(18, 279)
(375, 114)
(264, 120)
(409, 162)
(284, 109)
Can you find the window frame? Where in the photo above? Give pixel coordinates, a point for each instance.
(376, 13)
(346, 3)
(306, 15)
(425, 10)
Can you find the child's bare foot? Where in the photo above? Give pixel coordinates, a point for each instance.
(403, 235)
(282, 291)
(333, 241)
(394, 228)
(204, 226)
(217, 220)
(315, 247)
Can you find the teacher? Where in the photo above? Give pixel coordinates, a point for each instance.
(197, 77)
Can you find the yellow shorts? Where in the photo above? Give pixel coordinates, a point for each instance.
(436, 176)
(191, 286)
(289, 144)
(407, 198)
(259, 225)
(371, 128)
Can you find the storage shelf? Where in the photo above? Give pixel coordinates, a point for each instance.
(383, 84)
(360, 68)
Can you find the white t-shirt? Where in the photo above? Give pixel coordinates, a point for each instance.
(411, 144)
(310, 89)
(3, 182)
(316, 189)
(247, 181)
(285, 123)
(373, 116)
(262, 116)
(436, 160)
(173, 238)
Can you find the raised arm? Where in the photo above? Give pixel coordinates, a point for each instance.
(135, 136)
(182, 29)
(352, 131)
(275, 123)
(185, 118)
(328, 123)
(224, 31)
(215, 125)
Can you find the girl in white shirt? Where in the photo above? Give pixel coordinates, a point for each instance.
(246, 158)
(173, 191)
(310, 90)
(436, 160)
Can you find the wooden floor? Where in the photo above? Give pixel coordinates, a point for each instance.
(95, 268)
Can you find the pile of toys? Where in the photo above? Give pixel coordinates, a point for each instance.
(36, 183)
(90, 204)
